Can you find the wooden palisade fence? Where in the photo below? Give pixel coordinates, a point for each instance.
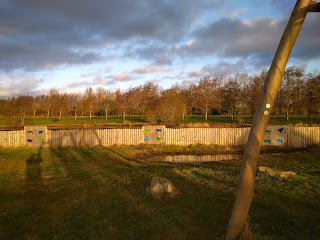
(275, 136)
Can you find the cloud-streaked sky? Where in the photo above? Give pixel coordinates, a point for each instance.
(70, 45)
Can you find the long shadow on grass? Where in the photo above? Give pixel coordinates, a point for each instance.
(73, 161)
(31, 208)
(33, 169)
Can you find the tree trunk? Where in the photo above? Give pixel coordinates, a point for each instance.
(232, 113)
(106, 114)
(184, 112)
(206, 114)
(261, 118)
(23, 116)
(48, 113)
(124, 115)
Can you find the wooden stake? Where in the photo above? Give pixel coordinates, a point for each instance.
(261, 118)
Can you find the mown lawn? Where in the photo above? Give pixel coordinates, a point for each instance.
(191, 120)
(274, 120)
(101, 193)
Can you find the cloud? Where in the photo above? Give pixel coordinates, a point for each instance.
(164, 36)
(239, 38)
(121, 77)
(15, 84)
(222, 68)
(195, 73)
(148, 69)
(307, 45)
(190, 43)
(225, 68)
(163, 59)
(41, 34)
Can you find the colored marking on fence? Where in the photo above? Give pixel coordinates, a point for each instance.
(147, 130)
(268, 131)
(30, 132)
(279, 140)
(280, 130)
(29, 140)
(158, 138)
(158, 130)
(41, 140)
(146, 139)
(266, 141)
(40, 131)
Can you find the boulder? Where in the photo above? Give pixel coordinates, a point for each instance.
(288, 174)
(186, 171)
(277, 173)
(268, 170)
(162, 187)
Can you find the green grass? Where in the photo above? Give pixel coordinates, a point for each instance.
(212, 119)
(79, 120)
(70, 121)
(274, 120)
(100, 193)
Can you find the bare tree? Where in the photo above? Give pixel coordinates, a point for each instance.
(49, 101)
(185, 96)
(292, 83)
(108, 102)
(35, 106)
(73, 104)
(118, 102)
(90, 102)
(22, 105)
(171, 106)
(231, 90)
(312, 95)
(256, 84)
(100, 93)
(142, 98)
(207, 94)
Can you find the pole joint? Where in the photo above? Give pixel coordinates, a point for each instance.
(314, 6)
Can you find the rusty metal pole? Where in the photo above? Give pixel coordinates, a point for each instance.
(261, 118)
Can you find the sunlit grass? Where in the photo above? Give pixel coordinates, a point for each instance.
(101, 193)
(196, 121)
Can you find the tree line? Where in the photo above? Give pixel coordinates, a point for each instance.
(238, 95)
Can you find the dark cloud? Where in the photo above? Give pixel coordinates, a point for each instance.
(228, 37)
(307, 46)
(222, 68)
(38, 33)
(163, 59)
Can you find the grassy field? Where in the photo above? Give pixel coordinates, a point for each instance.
(212, 119)
(100, 193)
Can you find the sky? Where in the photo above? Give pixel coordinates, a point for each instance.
(70, 45)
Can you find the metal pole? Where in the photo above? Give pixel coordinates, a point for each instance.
(314, 6)
(261, 118)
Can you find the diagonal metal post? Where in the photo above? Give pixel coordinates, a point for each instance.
(261, 118)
